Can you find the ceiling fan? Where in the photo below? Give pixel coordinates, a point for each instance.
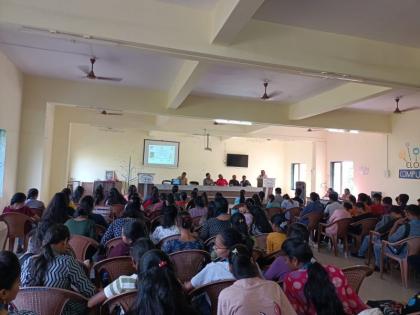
(90, 74)
(266, 96)
(104, 112)
(397, 108)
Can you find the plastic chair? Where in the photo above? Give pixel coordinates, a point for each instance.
(356, 274)
(112, 243)
(189, 262)
(172, 237)
(413, 248)
(45, 300)
(17, 227)
(367, 225)
(313, 220)
(81, 244)
(155, 222)
(342, 231)
(261, 241)
(124, 301)
(115, 267)
(373, 236)
(116, 211)
(293, 213)
(99, 230)
(212, 290)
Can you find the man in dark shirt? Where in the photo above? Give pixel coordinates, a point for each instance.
(234, 181)
(298, 193)
(245, 182)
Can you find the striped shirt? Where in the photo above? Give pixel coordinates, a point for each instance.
(121, 285)
(115, 229)
(62, 272)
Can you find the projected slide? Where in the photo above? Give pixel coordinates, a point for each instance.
(160, 153)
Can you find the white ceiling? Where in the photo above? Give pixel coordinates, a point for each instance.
(235, 81)
(56, 57)
(394, 21)
(386, 102)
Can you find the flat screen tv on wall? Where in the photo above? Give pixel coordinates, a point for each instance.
(237, 160)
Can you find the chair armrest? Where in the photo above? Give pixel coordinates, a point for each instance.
(400, 242)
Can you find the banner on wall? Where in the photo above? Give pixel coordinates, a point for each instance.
(410, 156)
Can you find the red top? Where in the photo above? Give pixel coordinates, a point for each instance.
(295, 282)
(377, 209)
(221, 182)
(24, 210)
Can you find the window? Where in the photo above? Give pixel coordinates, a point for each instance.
(2, 158)
(342, 176)
(298, 174)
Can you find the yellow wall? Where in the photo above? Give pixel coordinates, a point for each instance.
(10, 109)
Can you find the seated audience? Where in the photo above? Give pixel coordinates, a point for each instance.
(338, 214)
(402, 200)
(115, 198)
(403, 228)
(183, 180)
(32, 202)
(72, 207)
(366, 200)
(261, 195)
(17, 205)
(279, 269)
(298, 198)
(272, 202)
(234, 181)
(168, 227)
(377, 208)
(278, 196)
(221, 181)
(81, 224)
(316, 289)
(211, 212)
(132, 192)
(53, 267)
(124, 283)
(87, 205)
(191, 202)
(9, 284)
(217, 224)
(346, 195)
(186, 240)
(276, 238)
(382, 227)
(99, 196)
(250, 294)
(244, 182)
(260, 224)
(218, 270)
(200, 209)
(131, 232)
(332, 205)
(208, 181)
(328, 192)
(153, 205)
(131, 213)
(239, 223)
(314, 206)
(289, 203)
(182, 202)
(78, 194)
(257, 200)
(159, 291)
(354, 211)
(387, 204)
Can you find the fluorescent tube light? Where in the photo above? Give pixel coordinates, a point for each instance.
(354, 131)
(336, 130)
(232, 122)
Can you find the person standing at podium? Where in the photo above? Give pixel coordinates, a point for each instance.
(183, 179)
(208, 181)
(260, 178)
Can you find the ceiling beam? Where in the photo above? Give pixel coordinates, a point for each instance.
(230, 17)
(184, 32)
(334, 99)
(185, 81)
(40, 91)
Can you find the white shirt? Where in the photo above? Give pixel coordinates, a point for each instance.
(289, 204)
(329, 210)
(214, 271)
(161, 232)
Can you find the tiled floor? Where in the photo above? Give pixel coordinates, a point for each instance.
(373, 287)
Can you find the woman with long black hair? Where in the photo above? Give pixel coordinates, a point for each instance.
(53, 267)
(250, 294)
(314, 289)
(159, 291)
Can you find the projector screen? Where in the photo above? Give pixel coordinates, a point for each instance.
(160, 153)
